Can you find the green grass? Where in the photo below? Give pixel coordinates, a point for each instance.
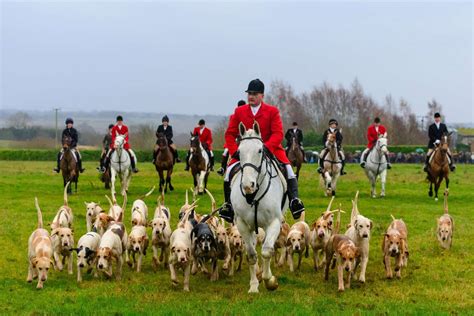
(435, 282)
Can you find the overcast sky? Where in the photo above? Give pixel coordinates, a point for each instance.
(198, 57)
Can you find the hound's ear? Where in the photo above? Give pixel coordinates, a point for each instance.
(172, 249)
(188, 252)
(386, 236)
(355, 224)
(371, 225)
(288, 241)
(242, 129)
(34, 262)
(85, 203)
(256, 128)
(54, 232)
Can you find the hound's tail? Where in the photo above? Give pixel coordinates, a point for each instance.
(147, 194)
(213, 201)
(338, 222)
(163, 195)
(187, 199)
(108, 199)
(355, 208)
(446, 193)
(124, 201)
(65, 193)
(40, 216)
(393, 218)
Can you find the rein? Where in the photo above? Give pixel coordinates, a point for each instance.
(379, 163)
(250, 198)
(119, 152)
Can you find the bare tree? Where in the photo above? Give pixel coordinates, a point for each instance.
(433, 107)
(19, 120)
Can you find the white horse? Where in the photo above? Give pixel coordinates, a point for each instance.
(120, 165)
(257, 193)
(332, 166)
(376, 165)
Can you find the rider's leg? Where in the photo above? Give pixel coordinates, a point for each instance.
(343, 161)
(427, 160)
(363, 157)
(226, 211)
(211, 159)
(322, 155)
(58, 161)
(175, 152)
(225, 158)
(304, 154)
(102, 158)
(389, 165)
(296, 205)
(452, 166)
(155, 153)
(188, 155)
(106, 160)
(133, 160)
(79, 160)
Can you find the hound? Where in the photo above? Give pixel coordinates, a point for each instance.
(345, 252)
(39, 252)
(106, 222)
(297, 242)
(63, 217)
(86, 250)
(395, 245)
(62, 239)
(204, 249)
(92, 211)
(359, 233)
(138, 244)
(193, 218)
(115, 210)
(445, 226)
(161, 234)
(220, 232)
(321, 230)
(140, 210)
(180, 254)
(111, 248)
(236, 248)
(280, 243)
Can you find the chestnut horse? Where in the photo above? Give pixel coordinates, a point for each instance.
(439, 167)
(295, 156)
(164, 161)
(199, 164)
(68, 165)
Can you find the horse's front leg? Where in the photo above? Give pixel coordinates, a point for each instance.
(271, 234)
(437, 185)
(162, 180)
(168, 179)
(250, 242)
(373, 181)
(125, 182)
(112, 181)
(383, 178)
(202, 174)
(334, 182)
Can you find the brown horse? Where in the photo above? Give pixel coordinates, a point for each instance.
(68, 165)
(164, 161)
(295, 156)
(105, 177)
(439, 167)
(199, 164)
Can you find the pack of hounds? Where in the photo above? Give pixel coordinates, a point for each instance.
(200, 242)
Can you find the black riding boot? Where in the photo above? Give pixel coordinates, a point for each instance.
(79, 164)
(321, 163)
(343, 163)
(296, 205)
(223, 167)
(427, 161)
(187, 161)
(211, 161)
(226, 211)
(58, 161)
(175, 156)
(304, 156)
(452, 166)
(133, 163)
(389, 165)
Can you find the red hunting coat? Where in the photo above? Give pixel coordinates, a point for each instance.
(205, 138)
(271, 129)
(120, 131)
(372, 134)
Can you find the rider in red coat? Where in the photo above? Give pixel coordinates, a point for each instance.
(373, 132)
(225, 154)
(271, 129)
(121, 129)
(205, 137)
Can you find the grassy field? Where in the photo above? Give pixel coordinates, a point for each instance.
(435, 282)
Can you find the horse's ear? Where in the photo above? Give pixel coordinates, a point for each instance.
(191, 133)
(242, 129)
(256, 128)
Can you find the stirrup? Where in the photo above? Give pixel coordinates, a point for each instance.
(56, 170)
(135, 170)
(220, 171)
(452, 167)
(362, 164)
(296, 208)
(320, 170)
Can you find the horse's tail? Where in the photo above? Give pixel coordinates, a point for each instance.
(446, 193)
(65, 192)
(40, 216)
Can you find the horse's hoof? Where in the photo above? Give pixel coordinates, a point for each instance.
(271, 284)
(436, 199)
(171, 189)
(430, 194)
(333, 193)
(253, 290)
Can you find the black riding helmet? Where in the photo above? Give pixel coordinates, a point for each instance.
(111, 125)
(165, 119)
(202, 122)
(333, 121)
(119, 118)
(69, 121)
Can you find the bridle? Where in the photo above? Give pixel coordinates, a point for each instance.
(251, 198)
(378, 149)
(119, 151)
